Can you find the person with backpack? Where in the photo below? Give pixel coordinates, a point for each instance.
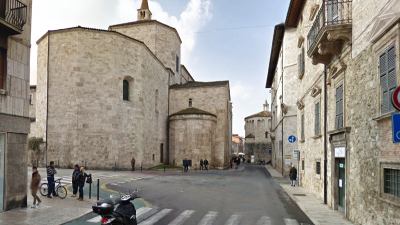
(206, 164)
(81, 182)
(75, 175)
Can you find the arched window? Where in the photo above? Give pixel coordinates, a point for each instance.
(125, 91)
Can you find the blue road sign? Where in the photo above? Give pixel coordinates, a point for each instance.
(292, 139)
(396, 128)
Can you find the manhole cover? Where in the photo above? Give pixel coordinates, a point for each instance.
(299, 194)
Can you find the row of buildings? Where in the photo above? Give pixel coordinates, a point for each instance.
(333, 67)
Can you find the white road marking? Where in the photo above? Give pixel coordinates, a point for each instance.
(265, 220)
(233, 220)
(142, 211)
(154, 219)
(96, 219)
(185, 215)
(291, 222)
(209, 218)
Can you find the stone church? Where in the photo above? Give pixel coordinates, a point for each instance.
(105, 96)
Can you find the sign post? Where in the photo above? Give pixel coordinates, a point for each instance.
(292, 139)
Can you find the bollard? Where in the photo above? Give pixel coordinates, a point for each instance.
(90, 190)
(98, 189)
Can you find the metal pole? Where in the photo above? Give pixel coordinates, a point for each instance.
(98, 189)
(325, 136)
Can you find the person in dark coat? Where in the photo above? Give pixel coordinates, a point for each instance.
(201, 164)
(81, 182)
(293, 176)
(206, 164)
(51, 171)
(75, 180)
(35, 182)
(133, 162)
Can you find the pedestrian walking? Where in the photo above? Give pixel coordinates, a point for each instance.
(293, 176)
(75, 175)
(201, 164)
(206, 164)
(81, 182)
(133, 161)
(51, 171)
(35, 183)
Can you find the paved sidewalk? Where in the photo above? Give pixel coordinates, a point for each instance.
(319, 213)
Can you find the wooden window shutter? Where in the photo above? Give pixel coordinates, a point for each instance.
(3, 67)
(392, 79)
(384, 84)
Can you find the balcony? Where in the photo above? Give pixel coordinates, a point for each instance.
(330, 31)
(13, 14)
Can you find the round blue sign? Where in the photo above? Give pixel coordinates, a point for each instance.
(292, 139)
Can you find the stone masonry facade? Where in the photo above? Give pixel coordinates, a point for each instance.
(110, 100)
(15, 39)
(361, 159)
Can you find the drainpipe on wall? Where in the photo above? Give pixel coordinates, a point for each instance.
(47, 95)
(283, 119)
(325, 137)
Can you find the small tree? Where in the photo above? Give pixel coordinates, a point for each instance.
(34, 145)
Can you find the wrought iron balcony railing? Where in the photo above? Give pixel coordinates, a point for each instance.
(333, 13)
(14, 13)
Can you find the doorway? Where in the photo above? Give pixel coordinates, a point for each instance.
(161, 153)
(341, 183)
(2, 178)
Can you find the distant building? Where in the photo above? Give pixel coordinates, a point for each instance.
(15, 43)
(237, 144)
(258, 143)
(105, 96)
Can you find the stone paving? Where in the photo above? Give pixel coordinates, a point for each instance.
(313, 207)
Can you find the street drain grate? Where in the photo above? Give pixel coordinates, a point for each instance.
(299, 194)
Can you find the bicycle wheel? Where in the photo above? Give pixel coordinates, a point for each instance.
(61, 192)
(44, 189)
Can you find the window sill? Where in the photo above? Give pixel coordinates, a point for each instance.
(317, 136)
(3, 92)
(340, 130)
(390, 200)
(302, 141)
(383, 117)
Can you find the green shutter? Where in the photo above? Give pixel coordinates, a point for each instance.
(388, 78)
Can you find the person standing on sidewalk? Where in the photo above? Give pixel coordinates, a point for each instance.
(51, 171)
(206, 164)
(201, 164)
(133, 161)
(293, 176)
(75, 175)
(81, 182)
(35, 182)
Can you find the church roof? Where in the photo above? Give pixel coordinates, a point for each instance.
(260, 114)
(145, 4)
(200, 84)
(193, 111)
(147, 22)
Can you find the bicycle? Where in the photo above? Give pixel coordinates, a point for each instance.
(60, 189)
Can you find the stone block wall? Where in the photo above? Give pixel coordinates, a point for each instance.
(88, 121)
(214, 99)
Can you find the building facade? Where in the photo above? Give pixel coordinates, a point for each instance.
(258, 143)
(237, 144)
(348, 67)
(281, 81)
(15, 37)
(110, 100)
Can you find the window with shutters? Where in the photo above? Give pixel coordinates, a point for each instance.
(125, 91)
(339, 107)
(317, 122)
(3, 68)
(388, 79)
(302, 128)
(301, 63)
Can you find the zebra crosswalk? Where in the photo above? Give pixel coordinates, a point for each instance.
(67, 180)
(152, 216)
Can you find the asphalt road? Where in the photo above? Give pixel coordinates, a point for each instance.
(248, 196)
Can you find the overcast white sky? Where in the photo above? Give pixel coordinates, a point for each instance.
(222, 39)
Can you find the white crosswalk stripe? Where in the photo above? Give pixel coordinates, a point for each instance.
(209, 218)
(233, 220)
(291, 222)
(185, 215)
(157, 217)
(265, 220)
